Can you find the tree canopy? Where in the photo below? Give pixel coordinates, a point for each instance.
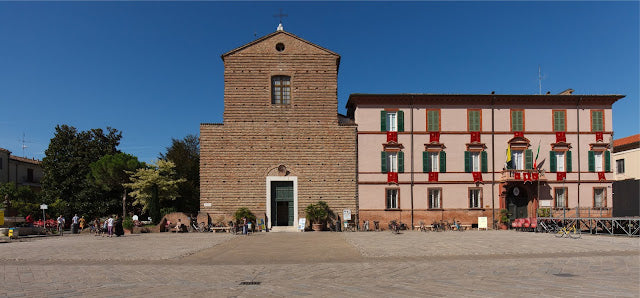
(66, 167)
(185, 154)
(112, 171)
(154, 186)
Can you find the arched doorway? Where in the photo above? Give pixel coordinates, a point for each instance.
(517, 203)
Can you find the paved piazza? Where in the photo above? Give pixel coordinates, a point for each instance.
(364, 264)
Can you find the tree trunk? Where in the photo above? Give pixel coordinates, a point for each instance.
(124, 202)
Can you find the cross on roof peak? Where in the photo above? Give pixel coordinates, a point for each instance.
(280, 15)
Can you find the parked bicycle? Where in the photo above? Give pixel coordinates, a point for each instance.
(569, 232)
(394, 227)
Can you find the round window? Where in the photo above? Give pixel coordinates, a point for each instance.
(279, 47)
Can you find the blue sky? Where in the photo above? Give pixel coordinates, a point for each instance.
(153, 69)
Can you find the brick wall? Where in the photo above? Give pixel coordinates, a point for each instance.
(257, 137)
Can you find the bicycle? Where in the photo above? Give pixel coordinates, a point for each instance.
(394, 227)
(569, 232)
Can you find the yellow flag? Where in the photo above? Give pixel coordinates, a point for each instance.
(508, 166)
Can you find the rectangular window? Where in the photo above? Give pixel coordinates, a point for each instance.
(517, 159)
(560, 162)
(475, 198)
(0, 163)
(619, 166)
(392, 121)
(435, 199)
(392, 162)
(475, 161)
(517, 120)
(559, 122)
(599, 197)
(281, 90)
(434, 157)
(433, 120)
(392, 198)
(561, 197)
(474, 120)
(597, 158)
(597, 120)
(29, 175)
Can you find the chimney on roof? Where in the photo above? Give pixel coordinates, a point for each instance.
(548, 92)
(567, 92)
(493, 92)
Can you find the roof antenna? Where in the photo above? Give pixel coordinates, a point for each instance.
(24, 146)
(280, 16)
(539, 80)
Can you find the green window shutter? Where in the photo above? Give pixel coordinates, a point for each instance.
(443, 162)
(607, 161)
(383, 121)
(552, 162)
(474, 120)
(383, 161)
(592, 161)
(516, 120)
(528, 159)
(483, 162)
(467, 161)
(426, 162)
(433, 121)
(558, 121)
(400, 162)
(568, 157)
(400, 121)
(596, 121)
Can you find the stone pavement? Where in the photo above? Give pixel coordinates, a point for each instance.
(472, 263)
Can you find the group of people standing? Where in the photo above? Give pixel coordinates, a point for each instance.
(108, 227)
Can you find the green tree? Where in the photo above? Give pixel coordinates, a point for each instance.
(154, 186)
(112, 171)
(185, 154)
(23, 199)
(66, 166)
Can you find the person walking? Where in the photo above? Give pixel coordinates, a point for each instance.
(61, 225)
(83, 222)
(74, 224)
(119, 230)
(244, 226)
(110, 226)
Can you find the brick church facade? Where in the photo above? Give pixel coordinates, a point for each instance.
(282, 145)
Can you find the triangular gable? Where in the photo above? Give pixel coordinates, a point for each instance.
(259, 40)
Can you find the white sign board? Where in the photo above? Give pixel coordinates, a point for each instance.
(207, 204)
(302, 222)
(482, 222)
(44, 207)
(346, 214)
(545, 203)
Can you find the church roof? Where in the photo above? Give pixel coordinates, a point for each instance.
(274, 34)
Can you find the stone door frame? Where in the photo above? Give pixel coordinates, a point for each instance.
(295, 197)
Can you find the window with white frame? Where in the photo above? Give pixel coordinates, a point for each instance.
(475, 161)
(435, 198)
(475, 198)
(392, 198)
(517, 159)
(392, 162)
(597, 157)
(599, 197)
(434, 158)
(561, 197)
(392, 121)
(560, 161)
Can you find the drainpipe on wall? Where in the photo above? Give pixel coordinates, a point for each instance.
(411, 113)
(493, 163)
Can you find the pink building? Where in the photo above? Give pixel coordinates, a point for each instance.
(430, 157)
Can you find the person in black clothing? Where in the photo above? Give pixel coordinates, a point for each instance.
(119, 229)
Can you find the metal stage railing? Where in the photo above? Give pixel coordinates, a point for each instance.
(622, 226)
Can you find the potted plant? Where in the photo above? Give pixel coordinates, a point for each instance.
(504, 219)
(318, 214)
